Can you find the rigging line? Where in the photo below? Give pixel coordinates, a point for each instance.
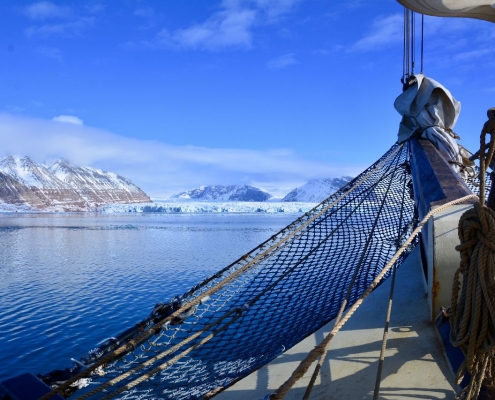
(422, 39)
(165, 365)
(389, 309)
(385, 337)
(413, 41)
(186, 341)
(353, 280)
(328, 212)
(405, 53)
(404, 49)
(408, 44)
(313, 354)
(131, 345)
(249, 303)
(235, 313)
(363, 254)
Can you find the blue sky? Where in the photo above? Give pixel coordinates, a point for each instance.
(177, 94)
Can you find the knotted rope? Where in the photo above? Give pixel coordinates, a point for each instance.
(472, 314)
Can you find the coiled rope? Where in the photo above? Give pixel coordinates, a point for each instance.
(472, 313)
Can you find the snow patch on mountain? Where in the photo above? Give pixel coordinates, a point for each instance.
(224, 193)
(61, 187)
(317, 190)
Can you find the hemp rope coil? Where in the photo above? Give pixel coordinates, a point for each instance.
(472, 313)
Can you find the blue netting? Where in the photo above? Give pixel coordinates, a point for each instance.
(293, 284)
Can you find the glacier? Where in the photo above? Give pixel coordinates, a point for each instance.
(195, 207)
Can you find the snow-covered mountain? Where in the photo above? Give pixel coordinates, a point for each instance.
(97, 186)
(224, 193)
(317, 190)
(62, 187)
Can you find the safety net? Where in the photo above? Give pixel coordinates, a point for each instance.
(247, 314)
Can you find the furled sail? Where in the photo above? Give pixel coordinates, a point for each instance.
(479, 9)
(430, 111)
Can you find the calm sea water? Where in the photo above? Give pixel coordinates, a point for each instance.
(69, 281)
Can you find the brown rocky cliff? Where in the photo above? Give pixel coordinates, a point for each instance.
(63, 187)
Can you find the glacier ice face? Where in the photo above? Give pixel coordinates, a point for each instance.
(204, 207)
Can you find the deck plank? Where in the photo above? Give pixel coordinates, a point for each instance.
(415, 367)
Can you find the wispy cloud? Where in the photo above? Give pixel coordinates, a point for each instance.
(43, 10)
(384, 32)
(148, 17)
(472, 55)
(282, 61)
(460, 44)
(145, 12)
(275, 9)
(71, 119)
(159, 168)
(231, 27)
(73, 27)
(227, 28)
(50, 52)
(51, 19)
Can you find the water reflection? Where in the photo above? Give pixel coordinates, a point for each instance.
(69, 281)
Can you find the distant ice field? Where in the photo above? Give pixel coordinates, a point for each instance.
(195, 207)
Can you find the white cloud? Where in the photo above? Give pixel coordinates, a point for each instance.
(384, 31)
(46, 10)
(68, 119)
(273, 9)
(282, 61)
(70, 27)
(159, 168)
(50, 52)
(472, 55)
(51, 19)
(145, 12)
(227, 28)
(230, 27)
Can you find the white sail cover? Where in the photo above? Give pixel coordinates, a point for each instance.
(479, 9)
(430, 111)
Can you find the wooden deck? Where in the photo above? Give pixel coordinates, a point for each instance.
(415, 367)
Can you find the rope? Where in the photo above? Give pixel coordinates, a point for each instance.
(385, 329)
(385, 338)
(321, 348)
(472, 315)
(422, 40)
(236, 315)
(151, 331)
(486, 157)
(413, 41)
(207, 328)
(349, 288)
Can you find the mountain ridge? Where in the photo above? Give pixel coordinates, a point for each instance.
(224, 193)
(314, 191)
(317, 190)
(63, 187)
